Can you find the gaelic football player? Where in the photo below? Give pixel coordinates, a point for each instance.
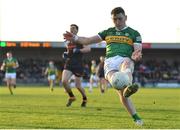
(74, 66)
(123, 49)
(51, 72)
(9, 65)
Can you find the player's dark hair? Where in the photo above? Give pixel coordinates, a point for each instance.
(75, 26)
(117, 10)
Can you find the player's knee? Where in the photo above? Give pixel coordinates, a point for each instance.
(119, 80)
(64, 82)
(127, 71)
(127, 66)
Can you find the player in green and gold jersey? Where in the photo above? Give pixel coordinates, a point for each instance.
(51, 72)
(9, 65)
(123, 49)
(93, 77)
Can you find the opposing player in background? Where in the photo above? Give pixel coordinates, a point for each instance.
(93, 77)
(100, 74)
(123, 48)
(9, 65)
(74, 65)
(51, 72)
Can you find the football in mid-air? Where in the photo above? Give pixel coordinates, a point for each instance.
(119, 80)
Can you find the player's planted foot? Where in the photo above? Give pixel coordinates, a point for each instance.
(102, 91)
(52, 89)
(90, 90)
(83, 104)
(138, 122)
(130, 90)
(71, 99)
(10, 90)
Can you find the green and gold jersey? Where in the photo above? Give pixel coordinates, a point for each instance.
(120, 42)
(93, 68)
(10, 65)
(51, 70)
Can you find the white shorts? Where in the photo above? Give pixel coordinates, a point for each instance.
(114, 63)
(10, 75)
(52, 77)
(94, 77)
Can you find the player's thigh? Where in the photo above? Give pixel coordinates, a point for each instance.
(7, 76)
(52, 77)
(103, 80)
(91, 78)
(13, 80)
(66, 75)
(112, 65)
(10, 77)
(78, 81)
(95, 78)
(127, 65)
(78, 70)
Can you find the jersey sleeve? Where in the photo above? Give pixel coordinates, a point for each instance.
(102, 34)
(137, 38)
(137, 41)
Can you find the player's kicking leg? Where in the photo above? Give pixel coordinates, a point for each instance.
(127, 66)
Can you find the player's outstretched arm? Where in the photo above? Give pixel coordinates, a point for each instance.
(82, 40)
(137, 54)
(86, 49)
(2, 67)
(46, 72)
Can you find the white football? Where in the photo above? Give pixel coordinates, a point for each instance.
(119, 80)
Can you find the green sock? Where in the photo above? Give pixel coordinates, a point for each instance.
(136, 117)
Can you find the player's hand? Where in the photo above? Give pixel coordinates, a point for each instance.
(136, 55)
(76, 50)
(2, 68)
(65, 55)
(70, 36)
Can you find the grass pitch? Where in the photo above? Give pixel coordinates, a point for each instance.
(37, 107)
